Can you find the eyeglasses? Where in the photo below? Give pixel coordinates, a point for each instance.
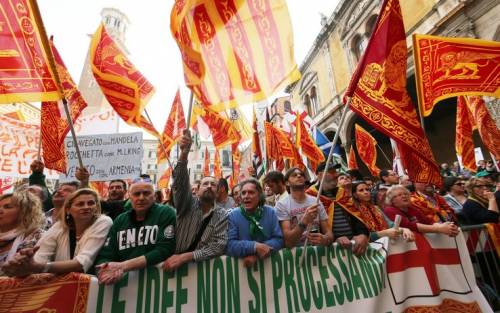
(459, 184)
(484, 186)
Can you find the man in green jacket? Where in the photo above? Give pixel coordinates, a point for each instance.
(139, 237)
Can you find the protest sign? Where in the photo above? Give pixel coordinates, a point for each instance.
(105, 122)
(106, 157)
(19, 143)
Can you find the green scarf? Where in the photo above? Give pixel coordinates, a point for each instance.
(254, 219)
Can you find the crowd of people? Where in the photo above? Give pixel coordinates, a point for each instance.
(74, 230)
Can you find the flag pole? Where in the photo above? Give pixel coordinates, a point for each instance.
(161, 142)
(39, 154)
(385, 155)
(190, 110)
(50, 56)
(328, 160)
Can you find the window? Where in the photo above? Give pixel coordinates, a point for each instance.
(307, 104)
(314, 102)
(226, 158)
(152, 154)
(287, 106)
(198, 166)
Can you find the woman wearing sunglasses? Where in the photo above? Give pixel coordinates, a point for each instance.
(481, 206)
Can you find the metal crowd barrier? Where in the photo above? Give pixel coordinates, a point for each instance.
(485, 261)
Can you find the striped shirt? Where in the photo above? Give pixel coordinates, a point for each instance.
(190, 219)
(341, 226)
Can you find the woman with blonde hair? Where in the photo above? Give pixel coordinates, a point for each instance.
(481, 206)
(72, 243)
(21, 223)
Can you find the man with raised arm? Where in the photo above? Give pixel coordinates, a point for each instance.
(201, 224)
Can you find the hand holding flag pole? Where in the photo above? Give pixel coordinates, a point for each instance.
(328, 160)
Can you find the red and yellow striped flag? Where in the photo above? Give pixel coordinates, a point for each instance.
(285, 148)
(236, 162)
(236, 51)
(26, 73)
(367, 149)
(464, 144)
(352, 163)
(165, 179)
(125, 88)
(54, 124)
(217, 165)
(206, 164)
(450, 67)
(307, 144)
(173, 129)
(490, 135)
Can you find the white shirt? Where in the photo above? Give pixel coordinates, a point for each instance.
(54, 244)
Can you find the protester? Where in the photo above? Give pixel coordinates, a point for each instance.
(481, 166)
(222, 195)
(361, 208)
(58, 199)
(72, 243)
(300, 215)
(201, 224)
(270, 198)
(388, 178)
(454, 193)
(329, 190)
(446, 170)
(369, 181)
(431, 204)
(117, 190)
(21, 223)
(37, 178)
(142, 236)
(490, 167)
(235, 193)
(254, 230)
(194, 187)
(481, 205)
(276, 182)
(398, 201)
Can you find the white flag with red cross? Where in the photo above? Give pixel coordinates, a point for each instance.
(426, 268)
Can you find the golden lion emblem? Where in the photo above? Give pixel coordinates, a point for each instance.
(464, 62)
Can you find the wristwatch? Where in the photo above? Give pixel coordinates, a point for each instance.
(46, 267)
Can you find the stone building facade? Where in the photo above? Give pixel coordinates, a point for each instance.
(330, 62)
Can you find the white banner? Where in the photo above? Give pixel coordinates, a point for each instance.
(19, 143)
(106, 157)
(98, 123)
(433, 274)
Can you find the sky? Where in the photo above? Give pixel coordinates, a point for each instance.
(152, 48)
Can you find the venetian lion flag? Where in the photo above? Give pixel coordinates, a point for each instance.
(490, 135)
(125, 88)
(54, 125)
(367, 149)
(379, 96)
(173, 129)
(307, 144)
(217, 165)
(236, 163)
(449, 67)
(206, 163)
(26, 73)
(235, 51)
(464, 144)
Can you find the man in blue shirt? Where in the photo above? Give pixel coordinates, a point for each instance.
(254, 231)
